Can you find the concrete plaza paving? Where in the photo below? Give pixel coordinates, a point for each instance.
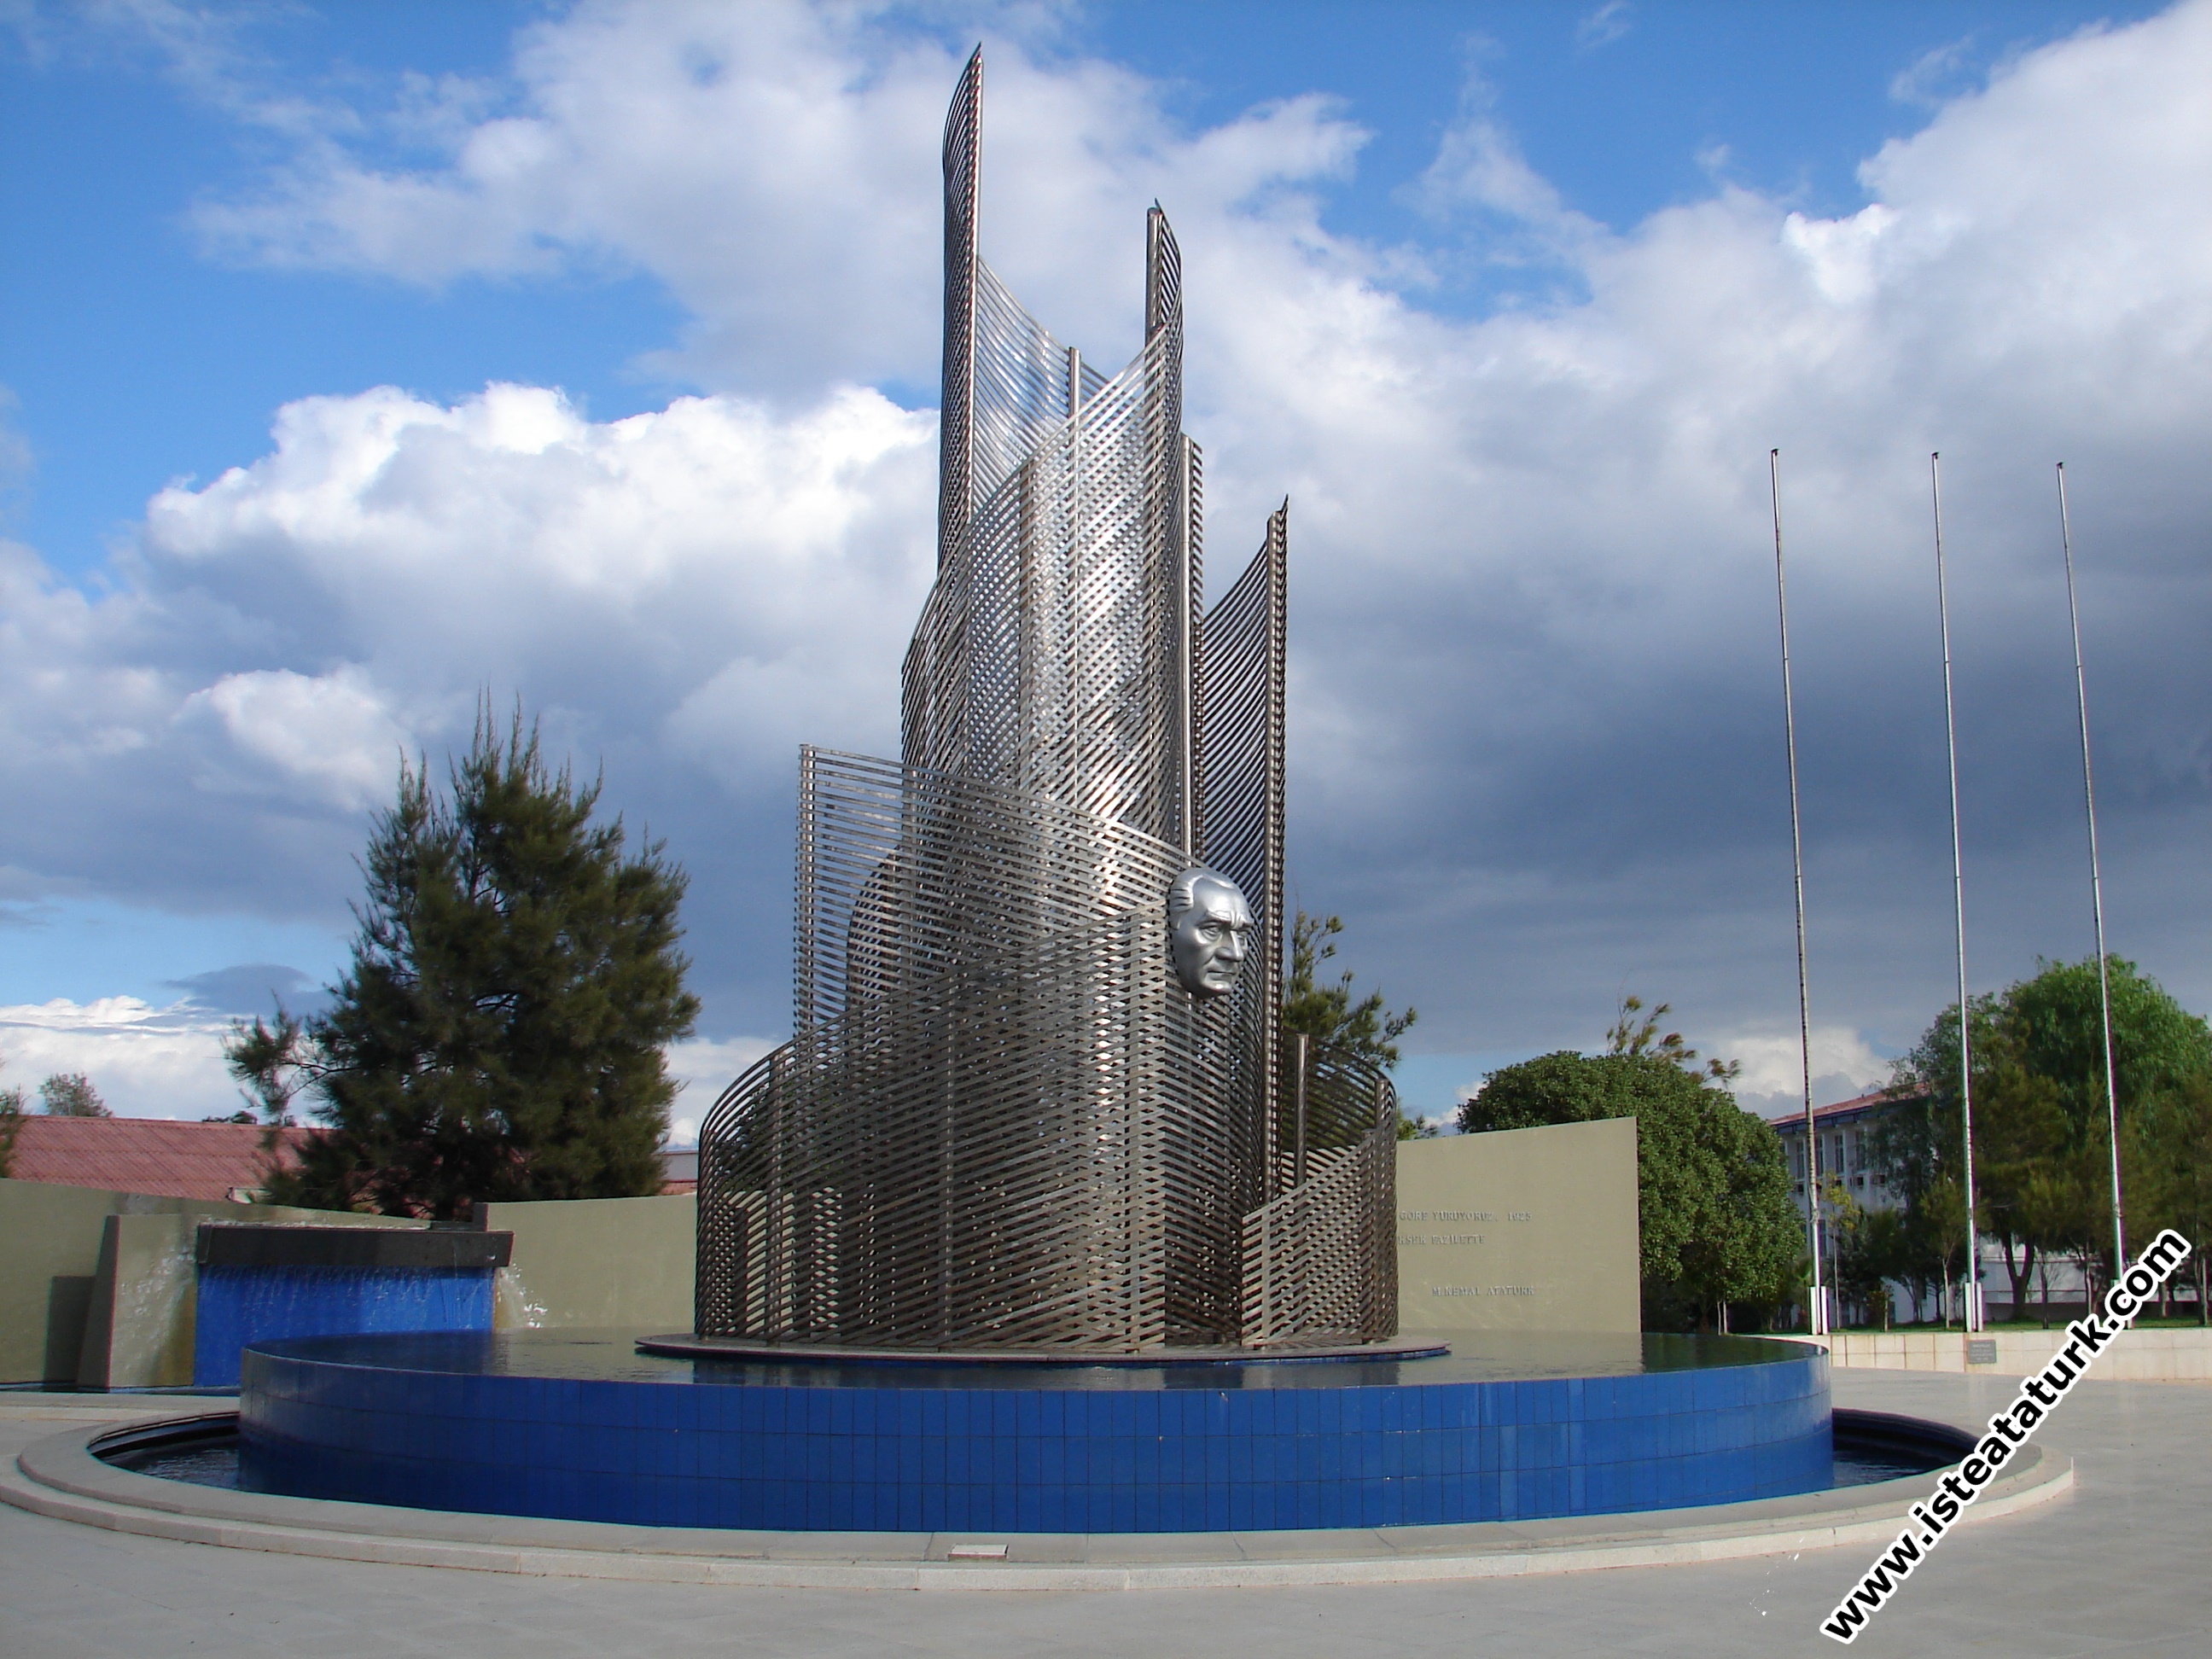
(2118, 1566)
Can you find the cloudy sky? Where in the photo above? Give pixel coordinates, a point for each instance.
(360, 360)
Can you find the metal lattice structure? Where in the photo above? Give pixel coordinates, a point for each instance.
(1003, 1122)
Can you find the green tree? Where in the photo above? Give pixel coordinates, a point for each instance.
(2023, 1190)
(1716, 1224)
(1917, 1142)
(70, 1094)
(2170, 1163)
(1873, 1246)
(1327, 1013)
(499, 1033)
(2026, 1197)
(12, 1125)
(2041, 1162)
(1934, 1239)
(2054, 1021)
(2158, 1047)
(1631, 1036)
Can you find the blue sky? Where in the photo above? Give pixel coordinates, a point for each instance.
(135, 359)
(1535, 767)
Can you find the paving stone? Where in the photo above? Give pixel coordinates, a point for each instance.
(2117, 1567)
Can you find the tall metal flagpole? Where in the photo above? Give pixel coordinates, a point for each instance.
(1972, 1297)
(1816, 1297)
(2096, 882)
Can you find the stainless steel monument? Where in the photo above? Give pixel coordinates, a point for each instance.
(1038, 1097)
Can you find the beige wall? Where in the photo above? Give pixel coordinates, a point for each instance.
(1521, 1230)
(96, 1287)
(1531, 1230)
(607, 1262)
(138, 1331)
(49, 1254)
(2157, 1354)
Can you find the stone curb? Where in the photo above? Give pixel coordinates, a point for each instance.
(59, 1478)
(41, 1407)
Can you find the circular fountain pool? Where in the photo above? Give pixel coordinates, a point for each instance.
(581, 1425)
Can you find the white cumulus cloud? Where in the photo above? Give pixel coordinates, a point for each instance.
(1536, 745)
(702, 1069)
(330, 733)
(300, 621)
(813, 130)
(144, 1061)
(1844, 1065)
(150, 1061)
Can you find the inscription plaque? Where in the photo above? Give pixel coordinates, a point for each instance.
(1525, 1229)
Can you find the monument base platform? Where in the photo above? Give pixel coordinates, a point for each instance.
(684, 1346)
(580, 1425)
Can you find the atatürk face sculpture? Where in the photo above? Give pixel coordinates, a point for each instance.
(1209, 931)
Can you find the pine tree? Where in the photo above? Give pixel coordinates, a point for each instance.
(1327, 1013)
(1365, 1030)
(499, 1033)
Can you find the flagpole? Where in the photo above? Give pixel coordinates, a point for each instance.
(2096, 881)
(1816, 1297)
(1973, 1290)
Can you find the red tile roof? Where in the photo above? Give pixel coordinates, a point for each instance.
(153, 1156)
(1795, 1116)
(679, 1170)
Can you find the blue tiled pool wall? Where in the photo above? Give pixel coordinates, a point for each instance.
(909, 1460)
(239, 1305)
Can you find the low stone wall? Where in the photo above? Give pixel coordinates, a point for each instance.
(99, 1290)
(2155, 1354)
(611, 1262)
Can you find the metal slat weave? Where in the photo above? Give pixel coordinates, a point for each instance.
(1003, 1122)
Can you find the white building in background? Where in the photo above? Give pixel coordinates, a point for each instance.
(1847, 1131)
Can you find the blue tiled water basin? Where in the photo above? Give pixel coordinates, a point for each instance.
(578, 1426)
(259, 1282)
(237, 1306)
